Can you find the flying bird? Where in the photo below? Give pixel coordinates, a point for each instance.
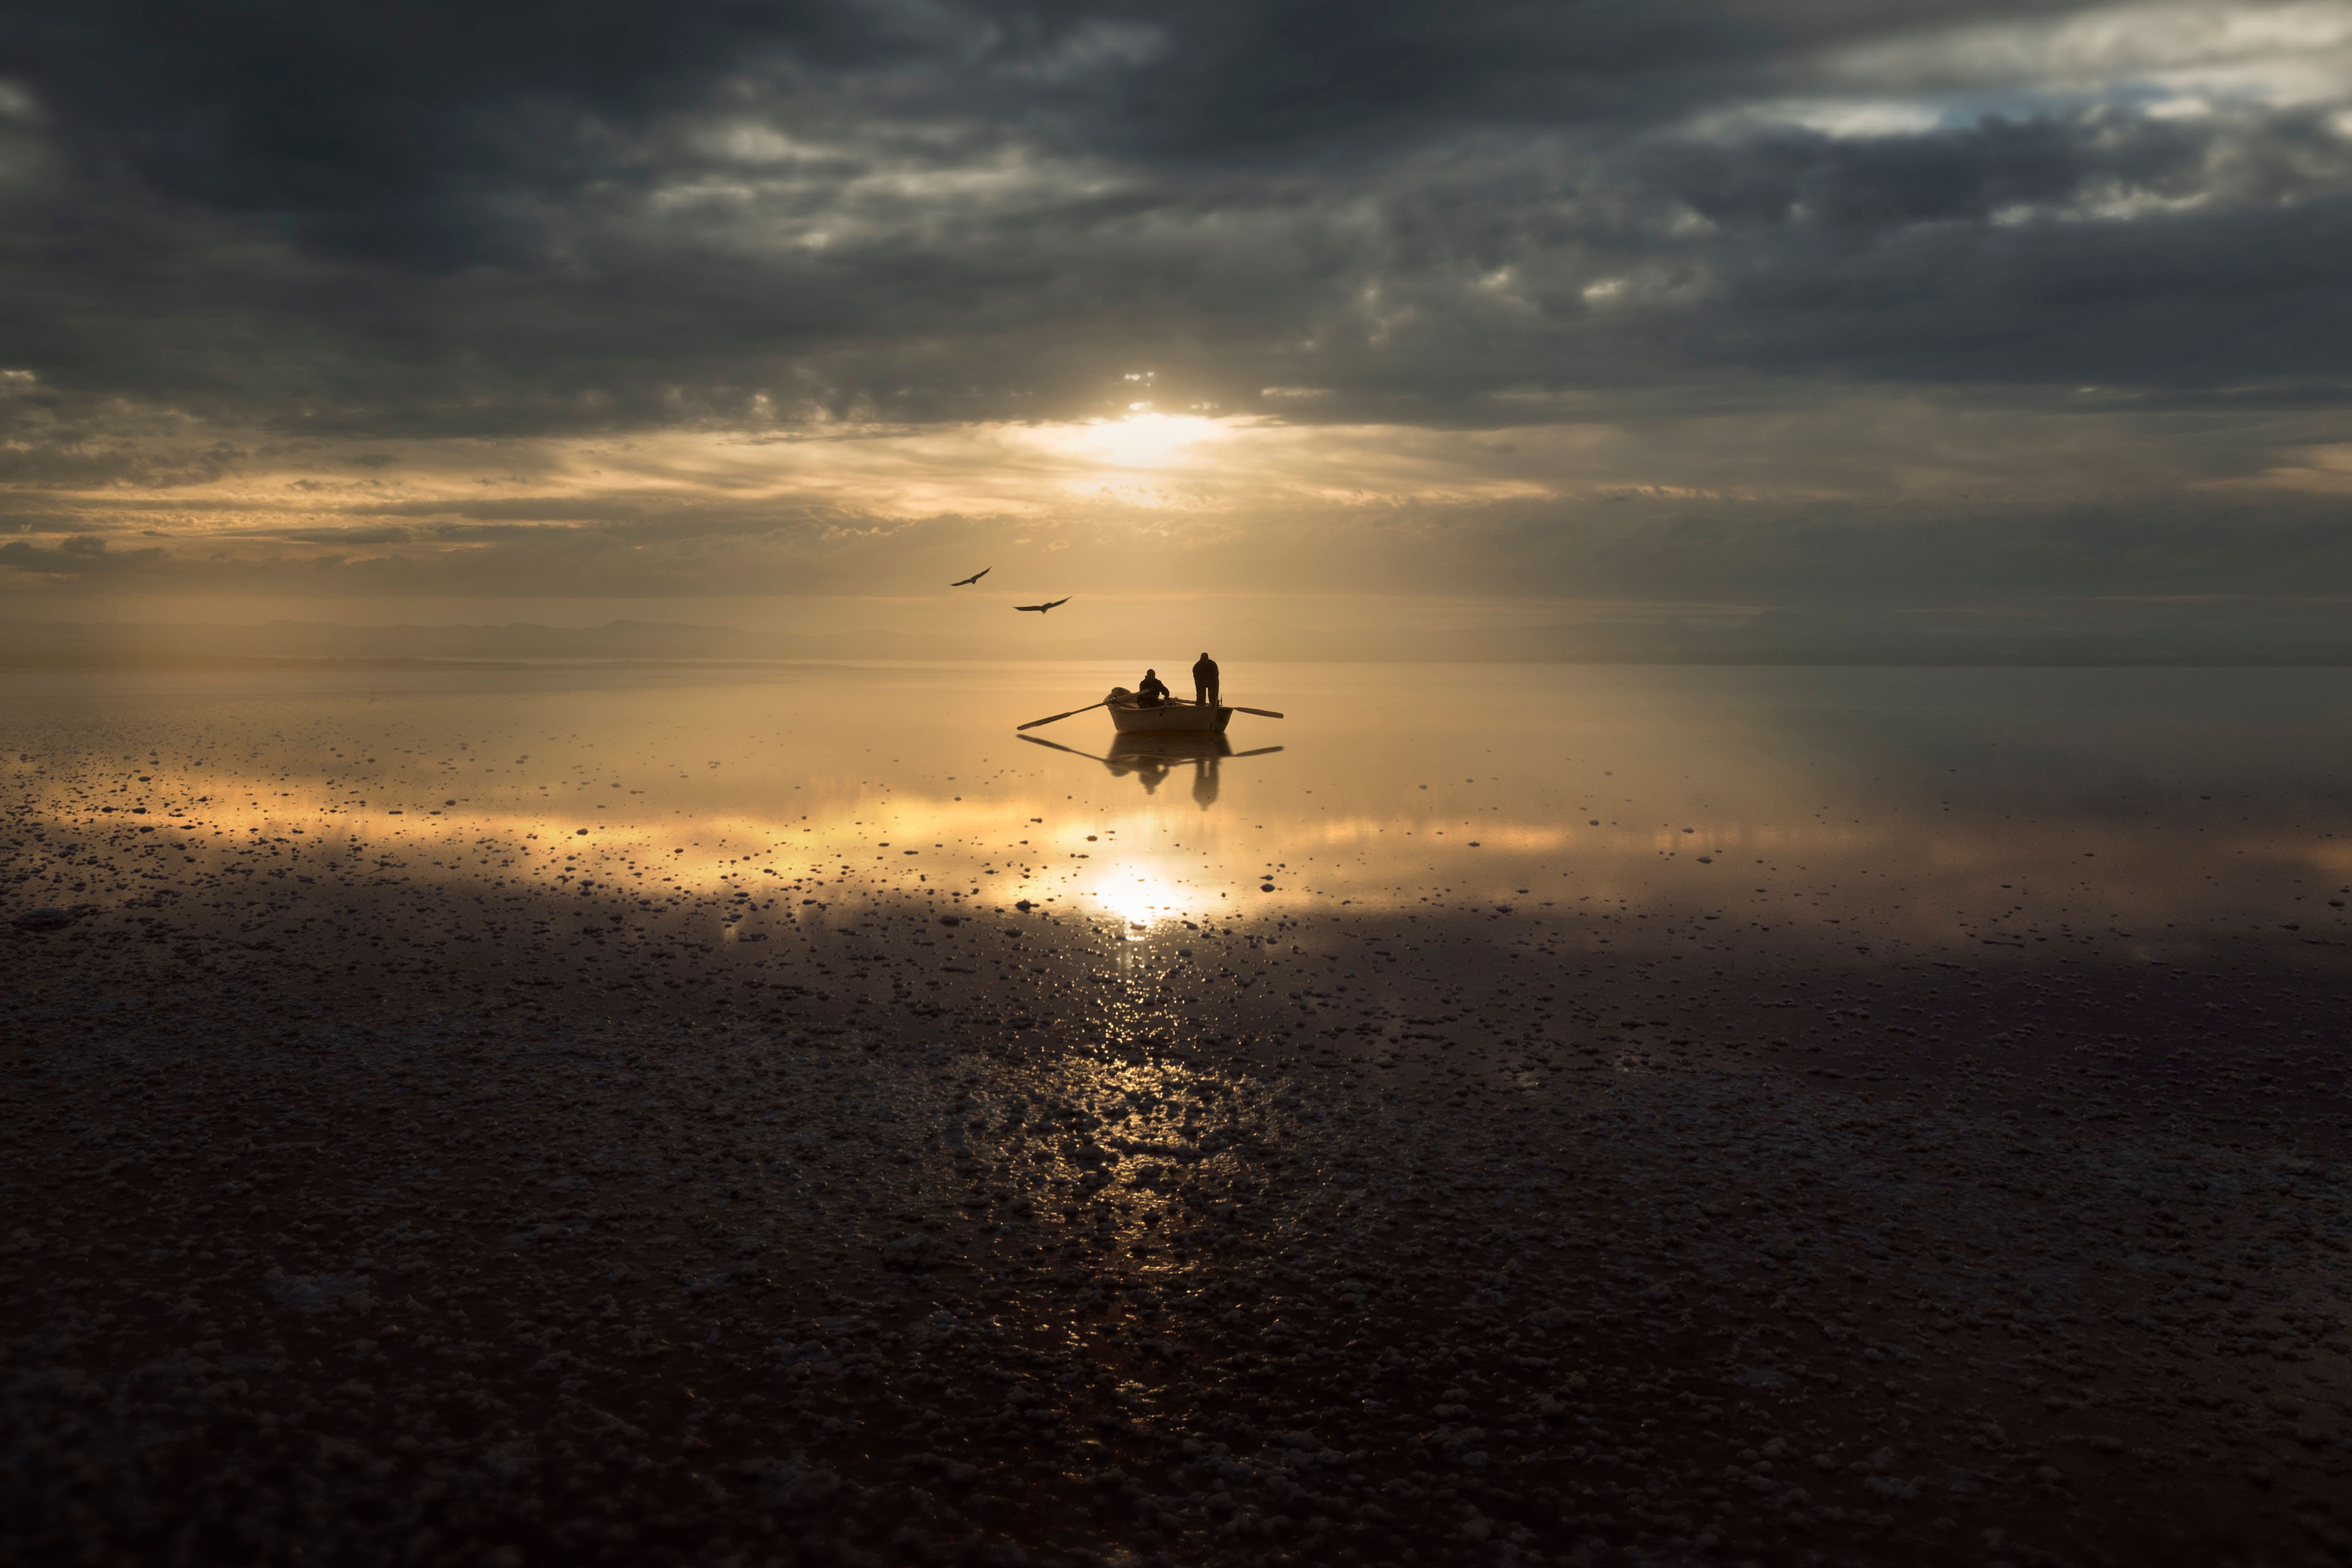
(1041, 609)
(973, 578)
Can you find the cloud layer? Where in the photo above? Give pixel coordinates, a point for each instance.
(525, 293)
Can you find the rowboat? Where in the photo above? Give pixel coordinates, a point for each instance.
(1173, 717)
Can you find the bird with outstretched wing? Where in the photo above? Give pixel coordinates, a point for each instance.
(973, 578)
(1041, 609)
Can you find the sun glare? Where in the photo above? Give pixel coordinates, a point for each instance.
(1140, 440)
(1140, 900)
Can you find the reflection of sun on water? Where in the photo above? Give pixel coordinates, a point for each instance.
(1141, 902)
(776, 849)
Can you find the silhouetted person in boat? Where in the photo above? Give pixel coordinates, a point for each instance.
(1153, 692)
(1204, 681)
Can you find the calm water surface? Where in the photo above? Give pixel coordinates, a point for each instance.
(1832, 1052)
(2160, 814)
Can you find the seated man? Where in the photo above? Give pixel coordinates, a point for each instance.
(1204, 681)
(1152, 692)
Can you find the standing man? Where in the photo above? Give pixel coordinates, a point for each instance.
(1204, 681)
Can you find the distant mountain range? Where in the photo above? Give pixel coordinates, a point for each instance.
(1775, 638)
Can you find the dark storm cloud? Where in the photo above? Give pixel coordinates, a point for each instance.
(477, 219)
(1982, 252)
(396, 132)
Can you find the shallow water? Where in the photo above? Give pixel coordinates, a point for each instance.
(1936, 1077)
(1892, 871)
(1833, 808)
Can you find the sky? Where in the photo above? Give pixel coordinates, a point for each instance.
(1999, 309)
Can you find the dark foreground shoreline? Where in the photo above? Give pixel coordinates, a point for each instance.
(300, 1271)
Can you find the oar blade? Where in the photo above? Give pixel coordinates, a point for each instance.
(1261, 712)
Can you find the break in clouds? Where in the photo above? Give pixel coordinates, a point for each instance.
(1691, 299)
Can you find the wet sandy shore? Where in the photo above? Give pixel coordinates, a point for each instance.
(366, 1207)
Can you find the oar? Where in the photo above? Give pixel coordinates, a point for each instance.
(1071, 713)
(1188, 702)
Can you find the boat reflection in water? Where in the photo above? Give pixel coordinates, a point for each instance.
(1152, 758)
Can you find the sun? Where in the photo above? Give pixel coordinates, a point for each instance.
(1139, 440)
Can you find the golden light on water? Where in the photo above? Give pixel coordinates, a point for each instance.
(1181, 865)
(1144, 901)
(1146, 866)
(815, 786)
